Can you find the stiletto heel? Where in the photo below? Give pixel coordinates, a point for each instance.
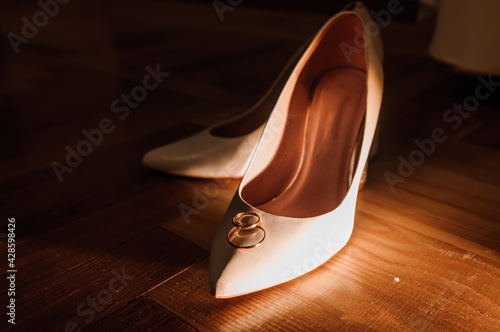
(299, 192)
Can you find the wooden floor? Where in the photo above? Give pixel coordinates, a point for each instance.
(108, 249)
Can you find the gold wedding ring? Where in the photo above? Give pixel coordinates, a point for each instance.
(246, 234)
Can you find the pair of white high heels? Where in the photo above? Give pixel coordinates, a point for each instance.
(301, 170)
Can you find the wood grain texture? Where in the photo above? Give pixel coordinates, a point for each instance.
(141, 314)
(110, 280)
(198, 227)
(424, 257)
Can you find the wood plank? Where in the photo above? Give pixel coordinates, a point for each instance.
(48, 144)
(456, 221)
(199, 228)
(147, 260)
(458, 157)
(87, 188)
(221, 189)
(452, 189)
(200, 215)
(445, 180)
(94, 234)
(139, 314)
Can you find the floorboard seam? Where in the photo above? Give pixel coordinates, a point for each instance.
(170, 312)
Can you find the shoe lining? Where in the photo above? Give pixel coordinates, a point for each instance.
(332, 125)
(311, 170)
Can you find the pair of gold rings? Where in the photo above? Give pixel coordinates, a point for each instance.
(246, 234)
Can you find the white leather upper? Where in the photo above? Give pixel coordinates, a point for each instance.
(205, 156)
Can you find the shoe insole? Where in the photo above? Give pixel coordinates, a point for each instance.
(331, 127)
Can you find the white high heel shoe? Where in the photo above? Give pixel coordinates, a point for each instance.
(224, 149)
(294, 208)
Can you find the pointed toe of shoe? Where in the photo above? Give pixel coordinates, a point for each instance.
(194, 157)
(235, 280)
(172, 159)
(159, 159)
(203, 156)
(235, 272)
(291, 248)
